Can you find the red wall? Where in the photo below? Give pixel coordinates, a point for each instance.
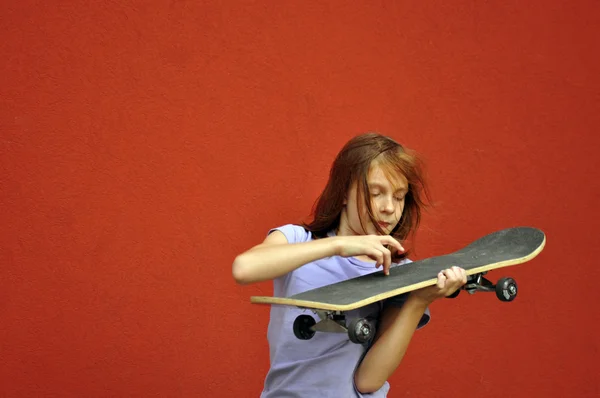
(144, 144)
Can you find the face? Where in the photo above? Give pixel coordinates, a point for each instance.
(387, 202)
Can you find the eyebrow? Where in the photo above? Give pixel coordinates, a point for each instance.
(377, 185)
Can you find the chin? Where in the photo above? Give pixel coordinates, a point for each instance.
(386, 231)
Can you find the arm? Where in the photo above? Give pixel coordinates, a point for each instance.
(396, 329)
(276, 257)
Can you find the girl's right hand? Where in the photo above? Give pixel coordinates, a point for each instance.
(372, 246)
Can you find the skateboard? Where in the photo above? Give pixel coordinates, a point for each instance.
(331, 303)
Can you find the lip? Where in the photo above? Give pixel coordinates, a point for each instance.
(384, 224)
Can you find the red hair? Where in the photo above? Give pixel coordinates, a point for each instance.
(352, 165)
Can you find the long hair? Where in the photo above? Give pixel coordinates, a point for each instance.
(352, 165)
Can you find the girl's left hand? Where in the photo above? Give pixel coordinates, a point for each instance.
(448, 281)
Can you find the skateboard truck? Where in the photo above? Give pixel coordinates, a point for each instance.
(506, 288)
(360, 330)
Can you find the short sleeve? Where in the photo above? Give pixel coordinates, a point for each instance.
(293, 233)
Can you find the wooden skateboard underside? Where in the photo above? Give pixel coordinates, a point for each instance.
(496, 250)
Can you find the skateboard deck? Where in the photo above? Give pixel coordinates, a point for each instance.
(499, 249)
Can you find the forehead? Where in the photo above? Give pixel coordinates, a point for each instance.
(386, 177)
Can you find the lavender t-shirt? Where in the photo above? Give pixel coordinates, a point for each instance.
(323, 366)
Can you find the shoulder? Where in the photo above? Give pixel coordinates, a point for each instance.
(293, 233)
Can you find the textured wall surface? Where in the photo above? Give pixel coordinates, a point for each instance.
(143, 144)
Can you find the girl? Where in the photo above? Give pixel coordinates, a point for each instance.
(372, 201)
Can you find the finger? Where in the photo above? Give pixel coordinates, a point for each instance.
(375, 255)
(458, 273)
(463, 274)
(457, 279)
(380, 259)
(452, 281)
(388, 240)
(441, 280)
(450, 275)
(387, 260)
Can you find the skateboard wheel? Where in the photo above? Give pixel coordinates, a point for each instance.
(361, 331)
(506, 289)
(302, 327)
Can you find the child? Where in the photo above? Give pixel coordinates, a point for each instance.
(372, 202)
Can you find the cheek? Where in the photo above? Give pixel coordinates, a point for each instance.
(357, 212)
(400, 209)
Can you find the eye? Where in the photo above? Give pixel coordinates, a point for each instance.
(399, 198)
(375, 193)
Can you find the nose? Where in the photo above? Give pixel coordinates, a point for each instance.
(387, 205)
